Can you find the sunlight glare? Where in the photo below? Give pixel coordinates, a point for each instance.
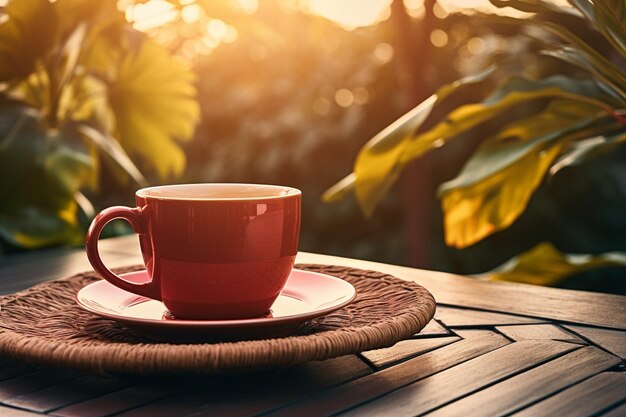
(248, 6)
(191, 13)
(217, 29)
(351, 13)
(151, 14)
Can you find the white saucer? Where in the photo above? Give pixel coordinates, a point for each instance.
(306, 295)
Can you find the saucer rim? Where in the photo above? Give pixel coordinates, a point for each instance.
(230, 323)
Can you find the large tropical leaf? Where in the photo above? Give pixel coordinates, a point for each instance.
(601, 64)
(545, 265)
(153, 100)
(496, 184)
(580, 151)
(380, 162)
(383, 153)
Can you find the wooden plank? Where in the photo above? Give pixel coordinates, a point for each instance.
(11, 369)
(433, 328)
(612, 340)
(459, 318)
(14, 412)
(261, 390)
(589, 397)
(33, 381)
(461, 380)
(604, 310)
(519, 391)
(539, 332)
(405, 349)
(24, 275)
(619, 411)
(180, 405)
(115, 402)
(66, 393)
(345, 396)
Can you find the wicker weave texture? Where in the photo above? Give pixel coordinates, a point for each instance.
(44, 325)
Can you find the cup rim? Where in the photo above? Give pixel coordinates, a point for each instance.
(289, 192)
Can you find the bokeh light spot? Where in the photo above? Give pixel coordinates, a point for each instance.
(439, 38)
(383, 53)
(476, 46)
(191, 13)
(151, 14)
(217, 28)
(361, 95)
(248, 6)
(344, 97)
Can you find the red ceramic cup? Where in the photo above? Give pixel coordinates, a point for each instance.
(212, 251)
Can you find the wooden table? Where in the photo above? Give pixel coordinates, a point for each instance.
(494, 348)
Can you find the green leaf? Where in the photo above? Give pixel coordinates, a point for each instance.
(496, 184)
(572, 56)
(609, 19)
(41, 171)
(583, 150)
(26, 36)
(545, 265)
(608, 69)
(378, 164)
(384, 150)
(535, 6)
(153, 100)
(521, 137)
(381, 160)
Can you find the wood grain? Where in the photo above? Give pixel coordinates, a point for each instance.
(611, 340)
(261, 390)
(266, 393)
(539, 331)
(589, 397)
(114, 402)
(605, 310)
(433, 328)
(12, 369)
(34, 381)
(458, 381)
(62, 394)
(545, 372)
(13, 412)
(619, 411)
(405, 349)
(460, 318)
(345, 396)
(536, 384)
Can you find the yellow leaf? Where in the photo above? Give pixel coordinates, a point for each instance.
(473, 213)
(381, 161)
(545, 265)
(153, 100)
(468, 116)
(376, 167)
(496, 184)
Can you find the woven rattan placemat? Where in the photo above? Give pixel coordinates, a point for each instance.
(43, 325)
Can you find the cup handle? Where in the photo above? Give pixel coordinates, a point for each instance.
(133, 216)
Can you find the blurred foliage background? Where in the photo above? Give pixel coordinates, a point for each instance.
(99, 100)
